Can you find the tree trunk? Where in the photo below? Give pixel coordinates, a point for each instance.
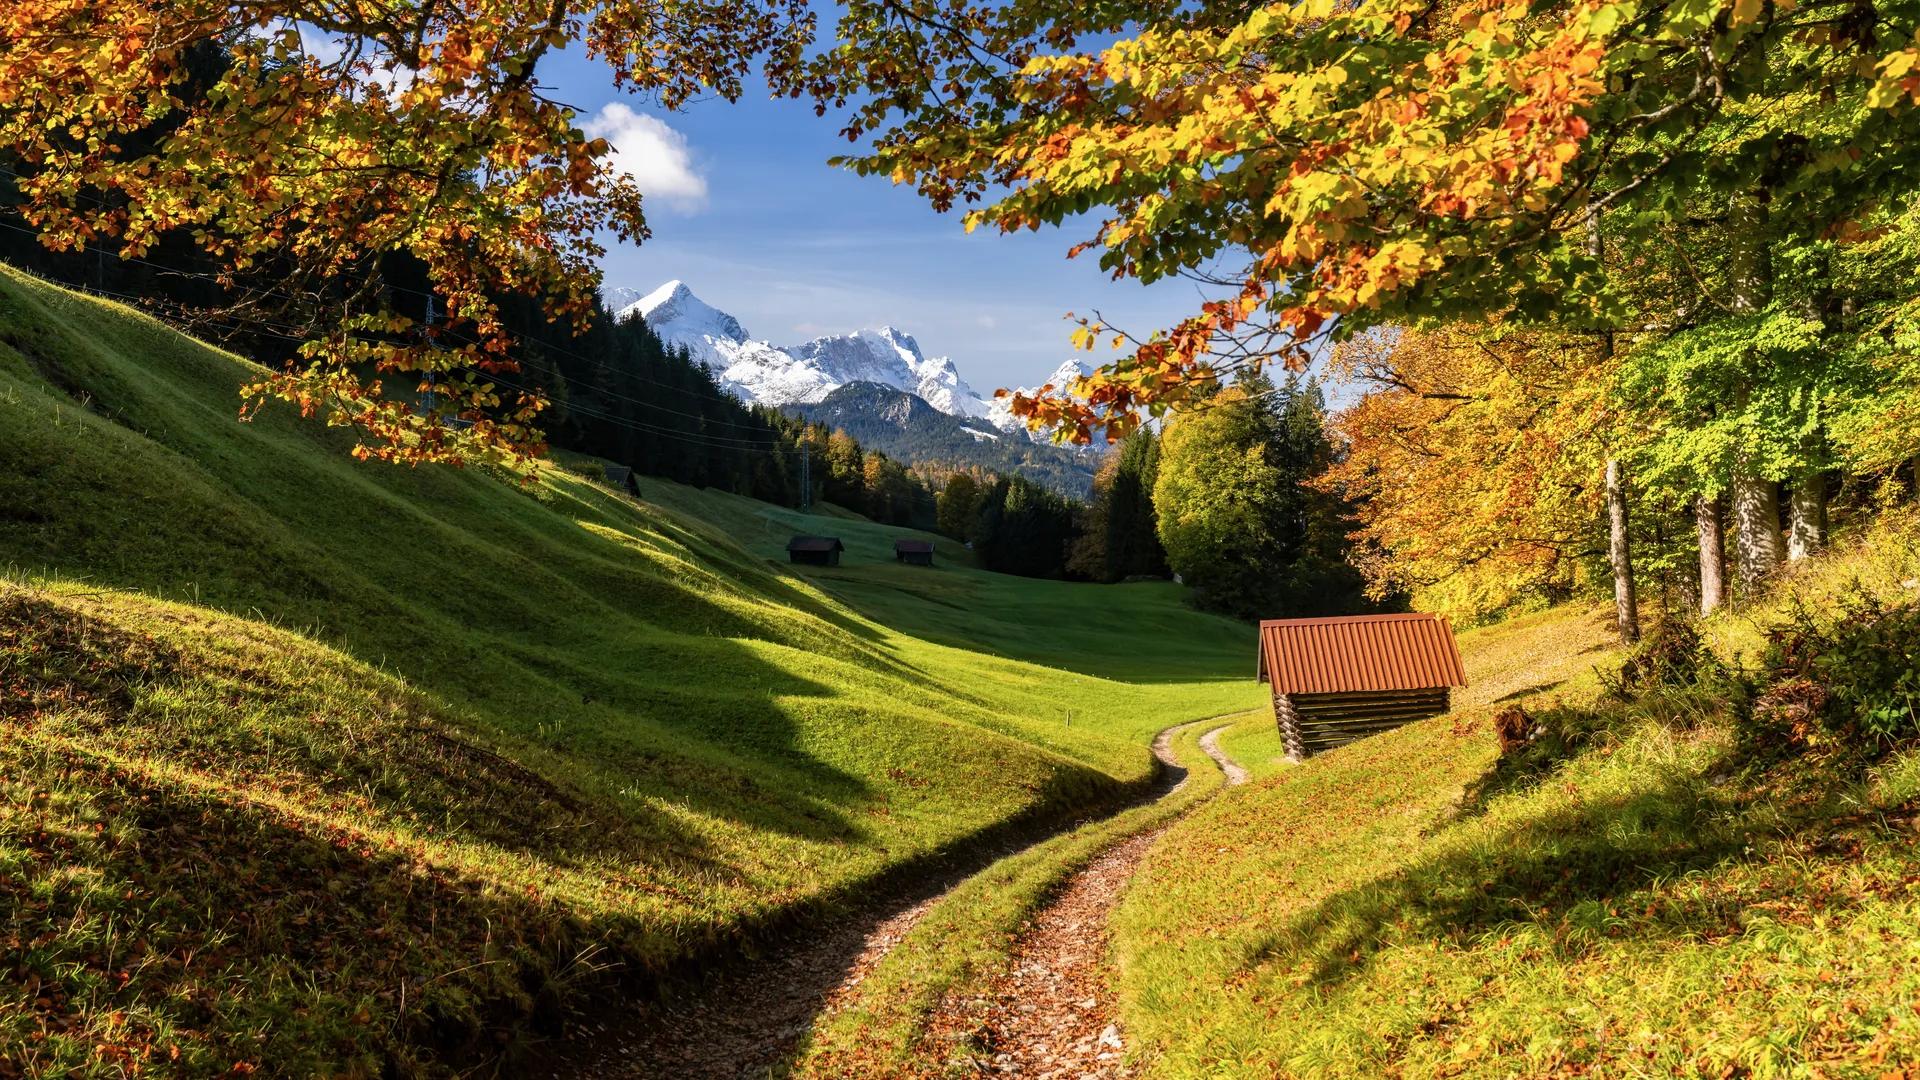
(1626, 607)
(1749, 261)
(1756, 529)
(1807, 517)
(1713, 553)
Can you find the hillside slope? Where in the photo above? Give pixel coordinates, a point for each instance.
(312, 762)
(1648, 892)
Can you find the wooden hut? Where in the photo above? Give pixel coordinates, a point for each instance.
(917, 552)
(817, 550)
(620, 478)
(1337, 680)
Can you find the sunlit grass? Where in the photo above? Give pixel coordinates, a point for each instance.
(564, 731)
(884, 1030)
(1642, 909)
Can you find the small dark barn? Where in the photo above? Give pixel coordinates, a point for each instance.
(818, 550)
(1337, 680)
(620, 478)
(917, 552)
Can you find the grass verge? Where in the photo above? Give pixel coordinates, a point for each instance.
(964, 939)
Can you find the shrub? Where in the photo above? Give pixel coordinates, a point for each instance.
(1851, 679)
(1673, 657)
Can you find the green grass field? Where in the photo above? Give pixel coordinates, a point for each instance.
(884, 1029)
(352, 768)
(1648, 907)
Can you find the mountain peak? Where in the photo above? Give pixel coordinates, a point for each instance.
(1063, 376)
(675, 313)
(767, 374)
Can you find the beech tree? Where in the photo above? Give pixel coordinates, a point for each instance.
(334, 135)
(1328, 168)
(1476, 461)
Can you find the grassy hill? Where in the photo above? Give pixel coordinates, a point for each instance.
(1662, 886)
(349, 768)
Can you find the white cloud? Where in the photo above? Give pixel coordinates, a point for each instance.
(655, 155)
(986, 322)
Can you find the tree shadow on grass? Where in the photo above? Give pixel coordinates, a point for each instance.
(246, 930)
(1570, 873)
(1538, 688)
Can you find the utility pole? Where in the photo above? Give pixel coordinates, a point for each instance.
(806, 477)
(429, 335)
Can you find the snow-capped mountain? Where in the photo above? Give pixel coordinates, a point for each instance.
(766, 374)
(1000, 410)
(616, 297)
(714, 337)
(891, 358)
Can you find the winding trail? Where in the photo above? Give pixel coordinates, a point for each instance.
(1210, 743)
(747, 1020)
(1051, 1013)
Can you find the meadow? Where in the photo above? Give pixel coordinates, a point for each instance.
(340, 765)
(1656, 898)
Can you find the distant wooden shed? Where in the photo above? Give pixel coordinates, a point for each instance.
(817, 550)
(1341, 679)
(917, 552)
(620, 478)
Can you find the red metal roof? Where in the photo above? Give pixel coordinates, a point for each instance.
(1359, 652)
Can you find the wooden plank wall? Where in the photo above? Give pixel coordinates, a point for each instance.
(1310, 723)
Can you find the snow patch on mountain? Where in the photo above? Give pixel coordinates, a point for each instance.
(1000, 410)
(766, 374)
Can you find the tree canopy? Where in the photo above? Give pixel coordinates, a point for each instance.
(302, 144)
(1327, 168)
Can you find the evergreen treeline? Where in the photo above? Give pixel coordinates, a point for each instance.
(905, 426)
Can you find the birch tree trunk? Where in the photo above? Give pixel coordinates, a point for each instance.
(1626, 605)
(1756, 529)
(1807, 517)
(1713, 553)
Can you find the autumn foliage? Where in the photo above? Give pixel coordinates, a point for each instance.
(1324, 168)
(1473, 461)
(300, 145)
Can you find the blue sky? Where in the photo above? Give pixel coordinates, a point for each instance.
(745, 209)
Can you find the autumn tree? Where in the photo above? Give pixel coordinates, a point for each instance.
(1325, 169)
(1475, 461)
(299, 146)
(1087, 555)
(959, 505)
(844, 464)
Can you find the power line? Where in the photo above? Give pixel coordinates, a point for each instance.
(272, 329)
(524, 338)
(255, 323)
